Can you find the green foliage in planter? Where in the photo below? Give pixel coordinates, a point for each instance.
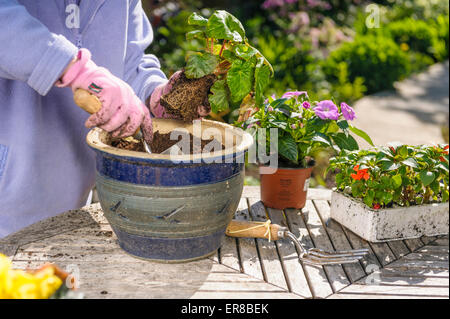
(241, 69)
(376, 59)
(394, 175)
(305, 127)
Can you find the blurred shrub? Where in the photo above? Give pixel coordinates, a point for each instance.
(418, 35)
(441, 44)
(376, 59)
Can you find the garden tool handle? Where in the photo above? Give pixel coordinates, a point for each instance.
(87, 101)
(90, 103)
(247, 229)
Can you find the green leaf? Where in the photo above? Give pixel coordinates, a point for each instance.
(245, 52)
(427, 177)
(361, 134)
(389, 165)
(229, 55)
(198, 20)
(411, 162)
(288, 148)
(262, 79)
(397, 180)
(224, 26)
(200, 65)
(321, 138)
(240, 79)
(219, 97)
(196, 34)
(343, 124)
(345, 142)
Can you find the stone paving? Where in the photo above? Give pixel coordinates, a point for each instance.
(414, 113)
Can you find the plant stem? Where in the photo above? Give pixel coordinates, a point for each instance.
(223, 47)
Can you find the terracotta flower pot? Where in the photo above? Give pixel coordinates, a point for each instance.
(287, 188)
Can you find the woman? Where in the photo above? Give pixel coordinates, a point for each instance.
(47, 50)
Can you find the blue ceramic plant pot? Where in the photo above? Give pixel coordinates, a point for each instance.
(171, 208)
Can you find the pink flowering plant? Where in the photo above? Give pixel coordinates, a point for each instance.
(395, 175)
(305, 126)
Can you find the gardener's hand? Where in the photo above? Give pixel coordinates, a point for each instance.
(158, 110)
(122, 112)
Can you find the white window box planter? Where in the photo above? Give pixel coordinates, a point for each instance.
(392, 223)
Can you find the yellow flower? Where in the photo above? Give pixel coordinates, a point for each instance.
(19, 284)
(404, 47)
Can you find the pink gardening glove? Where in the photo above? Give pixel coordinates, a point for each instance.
(122, 112)
(158, 110)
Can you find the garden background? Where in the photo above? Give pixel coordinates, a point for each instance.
(339, 49)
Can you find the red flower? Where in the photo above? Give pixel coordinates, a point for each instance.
(376, 206)
(442, 159)
(360, 174)
(392, 149)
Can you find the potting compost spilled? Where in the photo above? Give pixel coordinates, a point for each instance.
(162, 142)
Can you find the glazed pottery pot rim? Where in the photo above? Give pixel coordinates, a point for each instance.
(97, 136)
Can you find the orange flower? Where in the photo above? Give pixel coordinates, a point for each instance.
(360, 174)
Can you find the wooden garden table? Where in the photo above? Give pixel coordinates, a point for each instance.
(82, 241)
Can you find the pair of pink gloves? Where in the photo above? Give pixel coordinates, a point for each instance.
(122, 112)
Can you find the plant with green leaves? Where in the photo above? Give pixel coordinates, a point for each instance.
(305, 127)
(395, 175)
(241, 70)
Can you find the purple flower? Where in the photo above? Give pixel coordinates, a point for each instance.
(348, 112)
(293, 126)
(270, 109)
(306, 105)
(327, 110)
(288, 95)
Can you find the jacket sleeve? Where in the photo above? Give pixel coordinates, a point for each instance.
(29, 52)
(142, 71)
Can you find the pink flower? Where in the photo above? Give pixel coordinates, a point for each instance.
(293, 126)
(348, 112)
(327, 110)
(306, 105)
(288, 95)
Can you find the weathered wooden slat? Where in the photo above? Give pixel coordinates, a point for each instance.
(419, 264)
(252, 192)
(414, 272)
(247, 246)
(427, 256)
(397, 290)
(271, 264)
(438, 250)
(338, 238)
(440, 242)
(229, 254)
(71, 220)
(413, 281)
(294, 271)
(399, 248)
(370, 262)
(383, 252)
(8, 250)
(413, 244)
(428, 239)
(336, 274)
(320, 286)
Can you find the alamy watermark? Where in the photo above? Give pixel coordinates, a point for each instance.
(73, 16)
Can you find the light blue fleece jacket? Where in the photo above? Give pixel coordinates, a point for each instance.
(45, 165)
